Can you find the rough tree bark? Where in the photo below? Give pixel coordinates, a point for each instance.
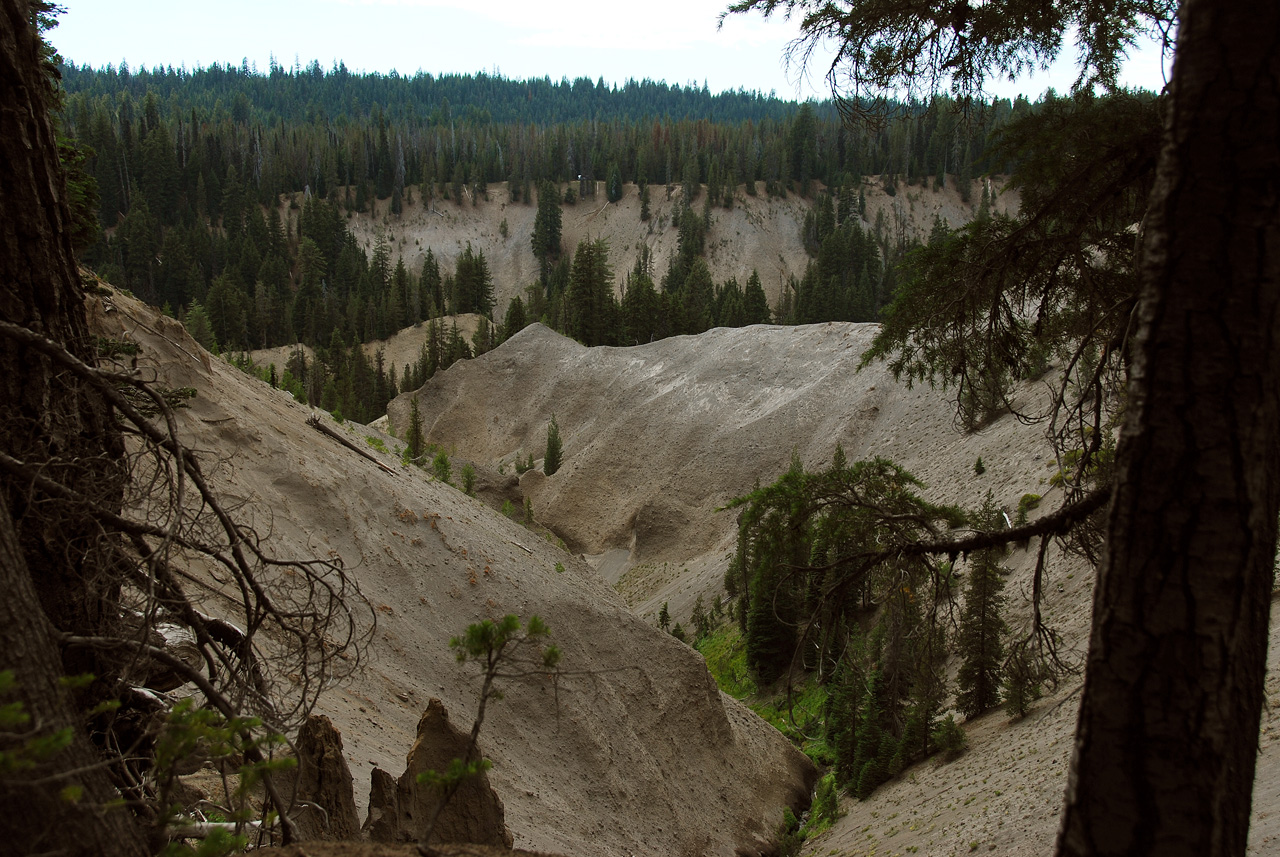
(51, 564)
(48, 419)
(37, 819)
(1167, 737)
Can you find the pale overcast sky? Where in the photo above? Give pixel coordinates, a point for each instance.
(672, 40)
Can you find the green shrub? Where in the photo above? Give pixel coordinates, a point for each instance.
(725, 652)
(440, 467)
(1025, 505)
(294, 387)
(790, 836)
(468, 479)
(949, 736)
(826, 806)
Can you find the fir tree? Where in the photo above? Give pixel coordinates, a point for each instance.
(755, 304)
(197, 323)
(982, 628)
(545, 240)
(515, 320)
(613, 190)
(413, 438)
(551, 459)
(440, 467)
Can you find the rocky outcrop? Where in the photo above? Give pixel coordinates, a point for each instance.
(324, 790)
(399, 809)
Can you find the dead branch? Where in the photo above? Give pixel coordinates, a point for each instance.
(318, 424)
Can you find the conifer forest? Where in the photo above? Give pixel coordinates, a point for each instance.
(223, 195)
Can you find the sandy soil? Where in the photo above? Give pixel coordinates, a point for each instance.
(1004, 794)
(657, 437)
(757, 233)
(649, 759)
(637, 752)
(399, 350)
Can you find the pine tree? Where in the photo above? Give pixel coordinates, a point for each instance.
(1021, 682)
(551, 459)
(440, 467)
(413, 438)
(640, 309)
(515, 319)
(430, 287)
(613, 191)
(698, 295)
(700, 619)
(592, 308)
(545, 239)
(755, 304)
(982, 628)
(473, 283)
(197, 323)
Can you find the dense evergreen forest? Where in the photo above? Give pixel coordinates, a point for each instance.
(223, 194)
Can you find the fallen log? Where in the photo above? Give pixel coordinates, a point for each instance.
(318, 424)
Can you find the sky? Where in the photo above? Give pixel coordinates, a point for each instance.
(678, 41)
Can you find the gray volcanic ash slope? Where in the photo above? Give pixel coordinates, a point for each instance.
(658, 436)
(637, 753)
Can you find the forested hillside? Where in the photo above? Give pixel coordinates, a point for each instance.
(229, 198)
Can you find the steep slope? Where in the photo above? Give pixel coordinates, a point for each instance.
(657, 437)
(758, 233)
(399, 350)
(635, 752)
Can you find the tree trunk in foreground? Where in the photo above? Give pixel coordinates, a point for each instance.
(1168, 732)
(37, 817)
(52, 569)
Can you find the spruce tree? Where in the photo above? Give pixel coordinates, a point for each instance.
(545, 240)
(551, 460)
(441, 468)
(982, 628)
(413, 437)
(613, 190)
(201, 330)
(756, 305)
(515, 320)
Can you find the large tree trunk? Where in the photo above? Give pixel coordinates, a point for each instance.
(54, 564)
(37, 818)
(1168, 731)
(49, 421)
